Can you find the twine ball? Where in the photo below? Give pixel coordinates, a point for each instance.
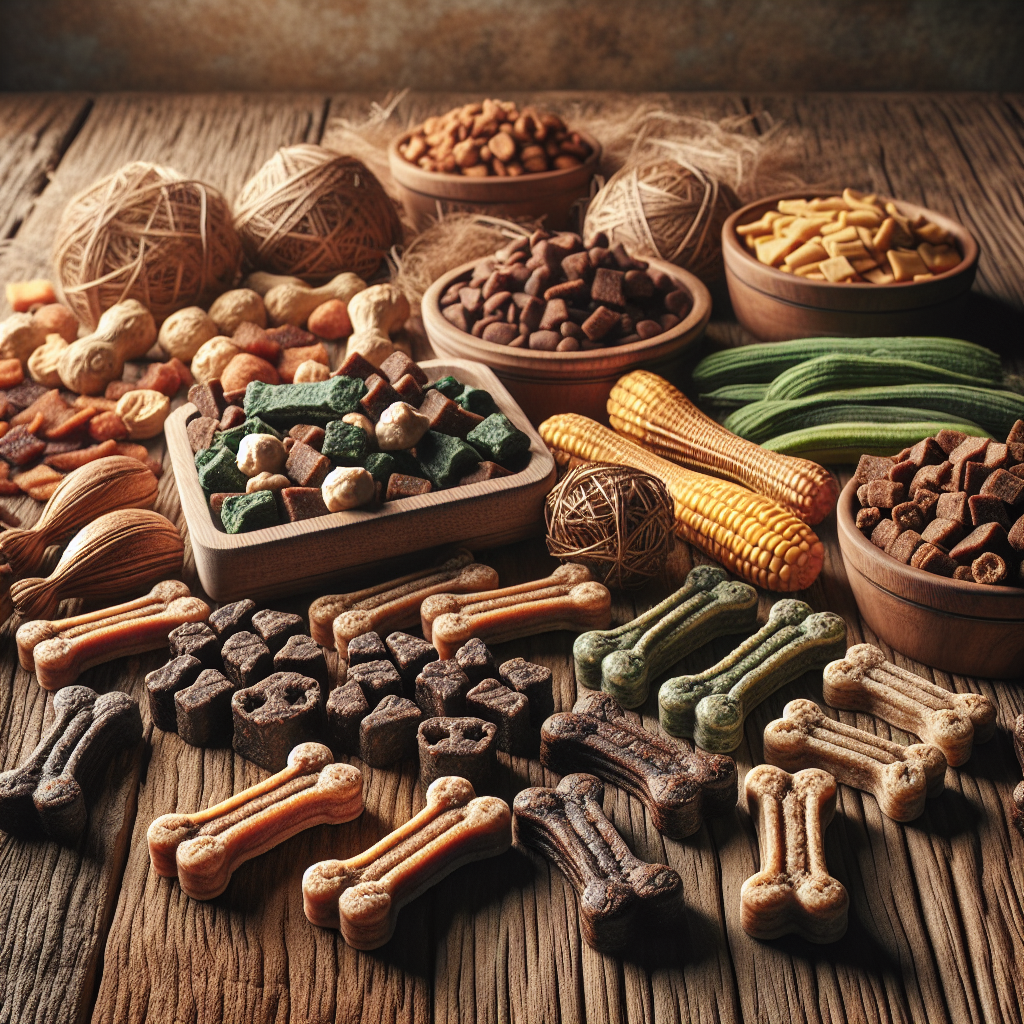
(149, 233)
(614, 520)
(313, 214)
(666, 209)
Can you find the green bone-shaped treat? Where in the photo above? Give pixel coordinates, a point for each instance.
(591, 648)
(713, 705)
(730, 607)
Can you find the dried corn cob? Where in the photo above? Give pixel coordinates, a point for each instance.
(753, 536)
(647, 409)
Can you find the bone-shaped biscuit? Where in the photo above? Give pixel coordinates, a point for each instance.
(793, 891)
(712, 706)
(557, 584)
(1017, 812)
(583, 606)
(60, 650)
(363, 895)
(900, 778)
(205, 848)
(619, 894)
(678, 786)
(864, 681)
(48, 789)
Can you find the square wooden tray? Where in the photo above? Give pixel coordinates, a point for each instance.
(309, 555)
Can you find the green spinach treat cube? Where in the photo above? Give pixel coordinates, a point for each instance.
(232, 438)
(221, 473)
(444, 459)
(380, 465)
(244, 512)
(345, 443)
(448, 386)
(203, 456)
(476, 400)
(497, 440)
(254, 425)
(316, 403)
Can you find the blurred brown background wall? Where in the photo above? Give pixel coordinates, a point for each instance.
(490, 45)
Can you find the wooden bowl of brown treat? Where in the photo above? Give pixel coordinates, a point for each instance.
(964, 628)
(776, 306)
(547, 383)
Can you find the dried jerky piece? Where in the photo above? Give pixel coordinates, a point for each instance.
(377, 679)
(447, 416)
(388, 733)
(49, 405)
(410, 655)
(197, 640)
(254, 340)
(275, 715)
(398, 365)
(308, 434)
(987, 510)
(107, 426)
(931, 478)
(989, 568)
(908, 516)
(868, 519)
(903, 546)
(608, 288)
(203, 710)
(476, 660)
(22, 395)
(1004, 486)
(926, 453)
(988, 537)
(303, 655)
(234, 416)
(953, 506)
(232, 618)
(950, 440)
(972, 449)
(366, 648)
(306, 466)
(201, 431)
(12, 373)
(247, 659)
(409, 391)
(943, 532)
(346, 708)
(974, 476)
(162, 684)
(379, 395)
(533, 682)
(275, 629)
(931, 558)
(291, 336)
(441, 688)
(19, 447)
(69, 423)
(927, 501)
(508, 710)
(402, 486)
(39, 482)
(162, 377)
(117, 389)
(903, 472)
(72, 459)
(303, 503)
(484, 471)
(464, 747)
(884, 533)
(245, 512)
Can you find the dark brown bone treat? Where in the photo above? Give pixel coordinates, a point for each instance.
(989, 537)
(933, 559)
(303, 655)
(971, 449)
(885, 493)
(275, 715)
(989, 568)
(950, 440)
(232, 618)
(346, 708)
(398, 364)
(201, 432)
(410, 655)
(302, 503)
(246, 659)
(275, 629)
(930, 478)
(928, 502)
(402, 486)
(308, 434)
(621, 897)
(306, 466)
(441, 689)
(974, 476)
(377, 679)
(926, 453)
(49, 790)
(196, 639)
(908, 516)
(208, 399)
(365, 648)
(476, 660)
(534, 683)
(163, 683)
(884, 533)
(457, 746)
(355, 366)
(903, 546)
(379, 395)
(987, 510)
(1004, 486)
(873, 467)
(953, 506)
(203, 710)
(943, 532)
(508, 710)
(388, 733)
(868, 519)
(678, 786)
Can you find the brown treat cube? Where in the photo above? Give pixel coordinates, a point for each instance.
(987, 537)
(376, 679)
(410, 655)
(476, 660)
(1017, 471)
(275, 629)
(508, 711)
(868, 519)
(197, 640)
(926, 453)
(402, 486)
(963, 572)
(234, 416)
(953, 506)
(873, 467)
(885, 493)
(638, 285)
(290, 336)
(346, 708)
(601, 322)
(974, 475)
(457, 746)
(234, 398)
(903, 545)
(303, 655)
(538, 281)
(609, 288)
(927, 501)
(950, 440)
(908, 516)
(1016, 434)
(163, 683)
(884, 533)
(308, 434)
(388, 733)
(355, 366)
(398, 365)
(208, 399)
(1015, 535)
(232, 618)
(862, 496)
(441, 689)
(484, 471)
(987, 510)
(252, 338)
(1004, 486)
(577, 267)
(365, 648)
(971, 449)
(946, 533)
(996, 455)
(531, 312)
(931, 478)
(201, 431)
(989, 568)
(931, 559)
(408, 389)
(306, 466)
(446, 416)
(534, 683)
(903, 472)
(19, 447)
(301, 503)
(203, 710)
(275, 715)
(379, 395)
(1014, 453)
(556, 312)
(247, 659)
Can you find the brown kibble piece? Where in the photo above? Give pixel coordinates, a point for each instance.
(507, 710)
(973, 476)
(500, 333)
(873, 467)
(996, 455)
(67, 461)
(246, 658)
(476, 660)
(274, 716)
(884, 533)
(446, 416)
(545, 341)
(868, 519)
(953, 506)
(346, 708)
(608, 288)
(987, 537)
(366, 648)
(484, 471)
(908, 516)
(927, 501)
(950, 440)
(379, 395)
(254, 340)
(1004, 486)
(402, 486)
(201, 431)
(302, 503)
(117, 389)
(600, 323)
(232, 618)
(926, 453)
(534, 683)
(19, 446)
(307, 434)
(291, 336)
(388, 733)
(946, 533)
(1015, 535)
(972, 449)
(306, 466)
(398, 364)
(931, 478)
(903, 472)
(885, 493)
(441, 689)
(903, 545)
(162, 377)
(377, 679)
(208, 399)
(987, 510)
(931, 559)
(203, 710)
(963, 572)
(989, 568)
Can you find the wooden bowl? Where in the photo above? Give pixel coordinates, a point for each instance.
(775, 306)
(546, 383)
(550, 194)
(311, 554)
(965, 628)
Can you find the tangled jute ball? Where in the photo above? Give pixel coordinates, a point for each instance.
(614, 520)
(313, 213)
(667, 208)
(149, 233)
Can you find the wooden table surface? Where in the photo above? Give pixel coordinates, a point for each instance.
(936, 921)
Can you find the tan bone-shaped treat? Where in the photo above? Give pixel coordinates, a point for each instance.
(900, 778)
(557, 584)
(59, 650)
(865, 681)
(793, 891)
(363, 895)
(204, 849)
(581, 607)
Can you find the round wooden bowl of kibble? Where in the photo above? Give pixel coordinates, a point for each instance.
(550, 195)
(776, 306)
(547, 383)
(964, 628)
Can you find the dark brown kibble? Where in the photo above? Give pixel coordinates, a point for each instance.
(926, 453)
(484, 322)
(570, 291)
(908, 516)
(201, 432)
(953, 506)
(234, 416)
(987, 510)
(989, 568)
(500, 333)
(410, 655)
(868, 519)
(441, 689)
(577, 267)
(679, 302)
(379, 395)
(534, 683)
(203, 710)
(884, 533)
(1004, 486)
(545, 341)
(290, 336)
(476, 660)
(648, 329)
(1015, 535)
(472, 300)
(1016, 434)
(556, 312)
(996, 455)
(306, 466)
(903, 472)
(608, 288)
(971, 449)
(903, 546)
(873, 467)
(508, 710)
(457, 746)
(208, 399)
(457, 316)
(931, 559)
(232, 618)
(931, 478)
(388, 733)
(974, 476)
(862, 496)
(365, 648)
(308, 434)
(402, 486)
(485, 471)
(963, 572)
(928, 503)
(989, 537)
(409, 391)
(275, 629)
(302, 655)
(602, 321)
(195, 639)
(944, 532)
(19, 447)
(247, 658)
(376, 679)
(355, 366)
(275, 715)
(885, 493)
(346, 708)
(398, 365)
(950, 440)
(302, 503)
(163, 683)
